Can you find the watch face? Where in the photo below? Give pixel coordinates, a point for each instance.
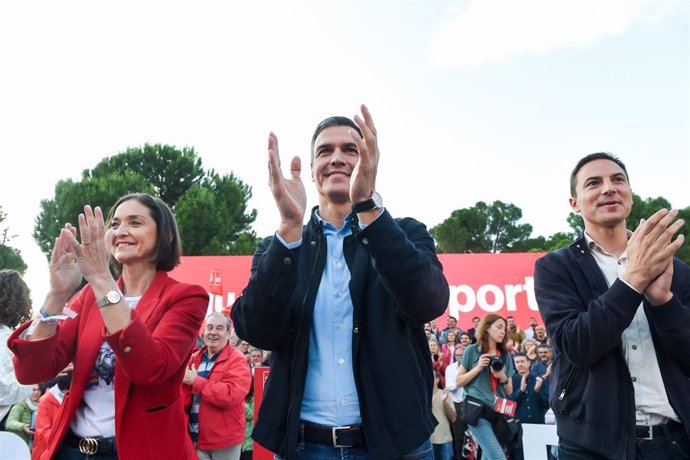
(377, 199)
(113, 296)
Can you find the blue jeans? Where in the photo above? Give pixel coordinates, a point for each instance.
(443, 451)
(569, 451)
(310, 451)
(669, 446)
(484, 434)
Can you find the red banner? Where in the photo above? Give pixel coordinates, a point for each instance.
(479, 283)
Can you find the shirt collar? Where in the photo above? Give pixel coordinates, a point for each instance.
(594, 246)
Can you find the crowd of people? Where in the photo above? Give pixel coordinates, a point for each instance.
(527, 357)
(134, 370)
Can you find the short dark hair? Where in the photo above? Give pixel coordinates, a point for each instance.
(15, 299)
(330, 122)
(520, 354)
(168, 247)
(591, 157)
(543, 345)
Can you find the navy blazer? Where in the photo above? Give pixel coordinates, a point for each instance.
(591, 389)
(397, 285)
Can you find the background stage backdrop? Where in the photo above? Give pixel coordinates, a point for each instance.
(479, 283)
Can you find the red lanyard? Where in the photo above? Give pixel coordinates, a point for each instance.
(494, 379)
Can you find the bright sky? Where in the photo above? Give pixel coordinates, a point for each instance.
(473, 100)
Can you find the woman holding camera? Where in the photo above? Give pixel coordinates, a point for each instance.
(485, 372)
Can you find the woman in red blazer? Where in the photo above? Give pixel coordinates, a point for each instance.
(129, 340)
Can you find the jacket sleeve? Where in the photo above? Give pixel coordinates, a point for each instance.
(38, 361)
(14, 421)
(230, 388)
(268, 294)
(149, 357)
(517, 393)
(671, 321)
(406, 262)
(584, 331)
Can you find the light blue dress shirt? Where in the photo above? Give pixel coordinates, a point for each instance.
(330, 395)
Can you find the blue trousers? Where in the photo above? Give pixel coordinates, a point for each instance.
(321, 452)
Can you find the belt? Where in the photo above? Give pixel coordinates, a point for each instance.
(334, 436)
(648, 432)
(91, 446)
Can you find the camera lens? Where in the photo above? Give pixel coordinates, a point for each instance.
(497, 364)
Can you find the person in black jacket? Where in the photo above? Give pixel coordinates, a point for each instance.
(351, 291)
(617, 308)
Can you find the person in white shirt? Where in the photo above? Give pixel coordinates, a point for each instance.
(457, 394)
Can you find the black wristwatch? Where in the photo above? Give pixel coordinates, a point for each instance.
(375, 202)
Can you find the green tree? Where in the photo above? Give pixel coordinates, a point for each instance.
(10, 258)
(482, 228)
(642, 209)
(170, 172)
(213, 214)
(211, 209)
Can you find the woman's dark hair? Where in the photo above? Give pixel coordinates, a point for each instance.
(168, 247)
(483, 333)
(15, 300)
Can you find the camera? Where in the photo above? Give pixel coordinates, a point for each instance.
(496, 363)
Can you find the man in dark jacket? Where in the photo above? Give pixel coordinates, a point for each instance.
(617, 308)
(351, 292)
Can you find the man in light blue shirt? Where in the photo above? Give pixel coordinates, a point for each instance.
(352, 290)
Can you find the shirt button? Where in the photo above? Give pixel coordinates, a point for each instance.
(341, 361)
(287, 261)
(365, 241)
(127, 349)
(343, 401)
(339, 325)
(356, 330)
(634, 379)
(338, 264)
(313, 243)
(634, 347)
(338, 294)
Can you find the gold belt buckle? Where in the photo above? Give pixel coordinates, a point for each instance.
(88, 446)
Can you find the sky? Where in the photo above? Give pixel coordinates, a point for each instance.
(473, 100)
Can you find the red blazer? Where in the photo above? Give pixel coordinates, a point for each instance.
(151, 355)
(221, 408)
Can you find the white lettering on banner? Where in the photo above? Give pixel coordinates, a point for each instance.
(215, 302)
(490, 297)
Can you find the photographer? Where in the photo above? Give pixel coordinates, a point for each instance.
(485, 372)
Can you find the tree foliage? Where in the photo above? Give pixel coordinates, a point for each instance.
(494, 228)
(482, 228)
(10, 258)
(211, 209)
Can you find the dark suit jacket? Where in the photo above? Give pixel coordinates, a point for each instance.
(151, 352)
(591, 389)
(397, 285)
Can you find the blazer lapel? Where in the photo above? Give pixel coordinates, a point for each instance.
(149, 302)
(589, 268)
